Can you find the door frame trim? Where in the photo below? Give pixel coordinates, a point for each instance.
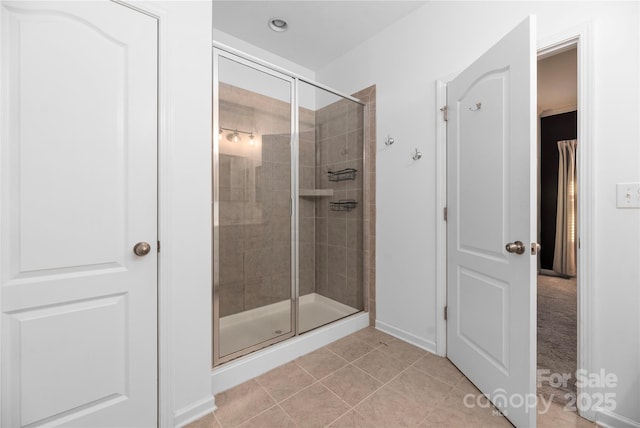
(579, 37)
(164, 411)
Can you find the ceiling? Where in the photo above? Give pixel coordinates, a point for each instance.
(558, 81)
(319, 31)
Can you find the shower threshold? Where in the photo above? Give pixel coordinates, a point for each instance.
(245, 329)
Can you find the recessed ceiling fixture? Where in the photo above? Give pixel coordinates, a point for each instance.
(278, 24)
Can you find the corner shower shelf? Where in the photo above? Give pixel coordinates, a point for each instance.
(342, 175)
(316, 192)
(343, 205)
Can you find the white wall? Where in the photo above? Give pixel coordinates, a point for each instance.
(185, 211)
(440, 39)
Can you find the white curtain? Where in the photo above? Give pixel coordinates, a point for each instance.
(564, 257)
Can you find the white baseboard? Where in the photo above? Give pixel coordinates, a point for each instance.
(427, 345)
(194, 411)
(608, 419)
(242, 369)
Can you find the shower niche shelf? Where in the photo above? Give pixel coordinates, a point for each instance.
(343, 205)
(315, 193)
(342, 175)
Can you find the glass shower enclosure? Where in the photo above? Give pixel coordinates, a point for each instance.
(288, 166)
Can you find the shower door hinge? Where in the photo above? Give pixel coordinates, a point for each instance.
(445, 313)
(445, 113)
(158, 246)
(446, 213)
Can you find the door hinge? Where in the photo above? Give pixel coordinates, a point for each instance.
(445, 113)
(445, 313)
(158, 246)
(446, 213)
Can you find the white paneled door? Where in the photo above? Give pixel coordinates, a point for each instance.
(491, 182)
(78, 159)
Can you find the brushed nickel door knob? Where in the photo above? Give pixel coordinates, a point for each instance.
(515, 247)
(141, 249)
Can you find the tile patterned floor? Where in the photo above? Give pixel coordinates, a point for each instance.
(367, 379)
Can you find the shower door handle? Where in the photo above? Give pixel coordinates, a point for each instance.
(515, 247)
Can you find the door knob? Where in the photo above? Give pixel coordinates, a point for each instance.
(141, 249)
(515, 247)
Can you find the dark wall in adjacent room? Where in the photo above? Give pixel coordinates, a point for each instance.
(552, 129)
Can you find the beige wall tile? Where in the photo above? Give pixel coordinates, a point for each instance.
(256, 191)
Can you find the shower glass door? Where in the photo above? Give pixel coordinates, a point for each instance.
(331, 206)
(253, 273)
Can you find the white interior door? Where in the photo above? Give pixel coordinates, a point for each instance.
(78, 179)
(491, 328)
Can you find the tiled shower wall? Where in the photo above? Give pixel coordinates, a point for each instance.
(255, 190)
(345, 240)
(339, 243)
(254, 204)
(306, 208)
(368, 97)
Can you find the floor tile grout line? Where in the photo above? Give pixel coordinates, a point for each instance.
(453, 385)
(328, 389)
(357, 358)
(339, 417)
(438, 379)
(367, 373)
(325, 376)
(339, 398)
(270, 396)
(384, 384)
(255, 416)
(437, 401)
(217, 420)
(288, 415)
(457, 386)
(369, 395)
(380, 347)
(266, 391)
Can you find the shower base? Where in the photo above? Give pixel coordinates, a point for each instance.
(245, 329)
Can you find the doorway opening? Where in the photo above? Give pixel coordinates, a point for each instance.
(577, 38)
(557, 226)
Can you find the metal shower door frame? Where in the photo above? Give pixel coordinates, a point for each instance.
(220, 50)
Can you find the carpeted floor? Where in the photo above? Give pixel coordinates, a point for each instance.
(557, 334)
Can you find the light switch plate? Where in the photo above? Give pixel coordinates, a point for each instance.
(628, 195)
